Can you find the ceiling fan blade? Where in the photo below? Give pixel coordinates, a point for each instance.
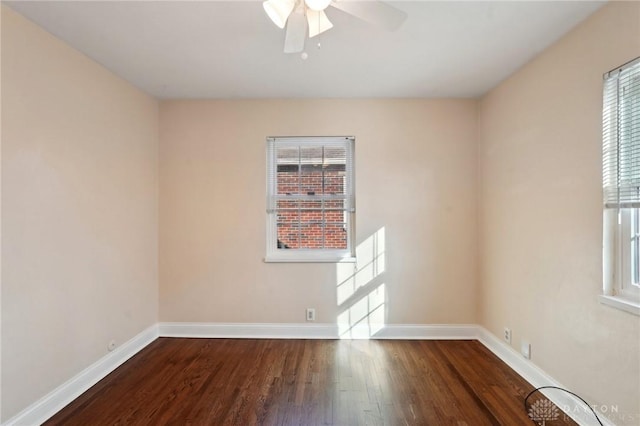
(374, 12)
(318, 22)
(296, 32)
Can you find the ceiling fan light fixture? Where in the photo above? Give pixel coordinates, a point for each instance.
(279, 10)
(318, 22)
(317, 5)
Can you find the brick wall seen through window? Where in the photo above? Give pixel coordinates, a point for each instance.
(311, 223)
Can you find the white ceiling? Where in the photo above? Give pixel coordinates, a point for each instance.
(230, 49)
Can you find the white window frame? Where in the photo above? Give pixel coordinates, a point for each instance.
(273, 253)
(621, 182)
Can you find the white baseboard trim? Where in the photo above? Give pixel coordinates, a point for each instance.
(247, 330)
(315, 331)
(571, 406)
(41, 410)
(428, 332)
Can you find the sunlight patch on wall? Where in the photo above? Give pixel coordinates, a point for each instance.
(365, 317)
(361, 296)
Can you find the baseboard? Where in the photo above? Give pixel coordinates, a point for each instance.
(315, 331)
(247, 330)
(41, 410)
(537, 377)
(428, 332)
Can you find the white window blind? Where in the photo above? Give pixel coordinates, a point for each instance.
(621, 137)
(310, 198)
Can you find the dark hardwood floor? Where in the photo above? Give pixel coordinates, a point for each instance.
(306, 382)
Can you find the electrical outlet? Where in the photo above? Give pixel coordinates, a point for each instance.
(507, 335)
(311, 314)
(525, 349)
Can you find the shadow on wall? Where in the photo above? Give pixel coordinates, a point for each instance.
(360, 290)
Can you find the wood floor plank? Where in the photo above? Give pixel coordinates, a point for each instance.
(306, 382)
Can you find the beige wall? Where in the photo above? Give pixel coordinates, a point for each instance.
(79, 217)
(415, 177)
(541, 213)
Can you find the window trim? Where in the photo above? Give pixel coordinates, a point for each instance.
(616, 293)
(275, 255)
(619, 175)
(620, 303)
(628, 286)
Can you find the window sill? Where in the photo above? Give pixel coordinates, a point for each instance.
(288, 259)
(621, 303)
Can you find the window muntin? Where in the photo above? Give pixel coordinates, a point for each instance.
(310, 200)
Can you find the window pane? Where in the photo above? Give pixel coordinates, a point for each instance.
(311, 224)
(334, 180)
(311, 179)
(336, 217)
(335, 155)
(312, 155)
(334, 166)
(288, 226)
(629, 250)
(288, 180)
(335, 236)
(287, 155)
(287, 170)
(311, 170)
(311, 235)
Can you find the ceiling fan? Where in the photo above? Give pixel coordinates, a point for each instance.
(302, 17)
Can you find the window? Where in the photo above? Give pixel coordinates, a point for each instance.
(310, 199)
(621, 181)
